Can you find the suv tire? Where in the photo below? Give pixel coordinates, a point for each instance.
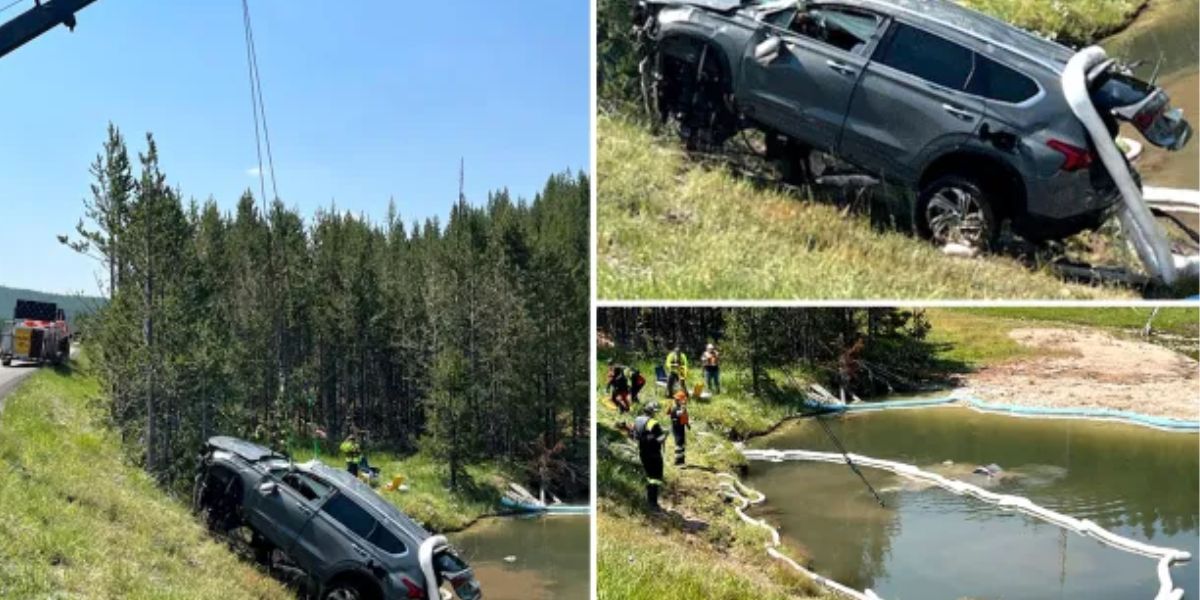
(956, 209)
(344, 590)
(693, 95)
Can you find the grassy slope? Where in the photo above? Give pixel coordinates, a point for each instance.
(979, 336)
(428, 500)
(669, 228)
(644, 557)
(77, 521)
(1076, 21)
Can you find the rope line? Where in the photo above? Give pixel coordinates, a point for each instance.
(262, 131)
(11, 4)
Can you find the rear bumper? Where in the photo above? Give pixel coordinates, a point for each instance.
(1068, 203)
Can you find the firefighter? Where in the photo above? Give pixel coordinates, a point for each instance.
(636, 383)
(650, 437)
(711, 359)
(618, 386)
(680, 423)
(676, 366)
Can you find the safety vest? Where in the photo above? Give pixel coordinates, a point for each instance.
(679, 414)
(643, 430)
(676, 361)
(350, 450)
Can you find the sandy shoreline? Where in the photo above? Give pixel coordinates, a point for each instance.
(1093, 369)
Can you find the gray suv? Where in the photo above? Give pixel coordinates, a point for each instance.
(966, 111)
(346, 541)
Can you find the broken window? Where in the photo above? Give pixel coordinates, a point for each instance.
(311, 488)
(846, 29)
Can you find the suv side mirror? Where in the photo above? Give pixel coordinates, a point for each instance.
(268, 488)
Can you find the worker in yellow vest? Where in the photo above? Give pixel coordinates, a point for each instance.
(352, 452)
(649, 435)
(676, 366)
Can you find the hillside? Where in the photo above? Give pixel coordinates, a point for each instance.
(77, 520)
(672, 228)
(74, 305)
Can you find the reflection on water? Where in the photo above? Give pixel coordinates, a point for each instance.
(1168, 31)
(547, 557)
(930, 544)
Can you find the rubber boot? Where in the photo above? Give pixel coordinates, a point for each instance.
(652, 498)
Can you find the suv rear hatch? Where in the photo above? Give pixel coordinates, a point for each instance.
(441, 565)
(1116, 92)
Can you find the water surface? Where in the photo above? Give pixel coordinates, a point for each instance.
(928, 544)
(549, 557)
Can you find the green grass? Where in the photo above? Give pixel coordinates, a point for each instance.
(672, 229)
(78, 521)
(701, 549)
(636, 561)
(429, 499)
(980, 336)
(977, 339)
(1075, 22)
(1175, 320)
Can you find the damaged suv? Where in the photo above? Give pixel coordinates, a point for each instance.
(966, 111)
(349, 543)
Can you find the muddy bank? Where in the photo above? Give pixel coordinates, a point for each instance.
(1092, 369)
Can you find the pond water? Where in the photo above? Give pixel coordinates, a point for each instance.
(550, 557)
(1168, 30)
(929, 544)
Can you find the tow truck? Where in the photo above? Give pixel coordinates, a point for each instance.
(38, 332)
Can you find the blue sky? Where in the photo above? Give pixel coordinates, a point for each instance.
(366, 100)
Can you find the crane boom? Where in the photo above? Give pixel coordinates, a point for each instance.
(43, 17)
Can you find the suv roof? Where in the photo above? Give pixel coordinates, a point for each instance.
(365, 495)
(247, 450)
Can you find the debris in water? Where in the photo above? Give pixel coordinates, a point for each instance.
(947, 463)
(510, 558)
(991, 470)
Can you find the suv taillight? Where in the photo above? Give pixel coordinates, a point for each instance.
(1075, 158)
(414, 591)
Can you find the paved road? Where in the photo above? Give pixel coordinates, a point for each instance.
(10, 377)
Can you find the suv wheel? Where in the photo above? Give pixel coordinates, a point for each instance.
(693, 96)
(956, 210)
(344, 591)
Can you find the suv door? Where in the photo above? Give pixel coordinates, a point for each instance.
(911, 103)
(800, 72)
(341, 535)
(287, 502)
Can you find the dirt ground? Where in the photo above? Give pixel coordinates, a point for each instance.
(1087, 368)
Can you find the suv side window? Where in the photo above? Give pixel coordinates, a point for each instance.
(995, 81)
(849, 30)
(348, 513)
(386, 540)
(311, 488)
(927, 56)
(357, 519)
